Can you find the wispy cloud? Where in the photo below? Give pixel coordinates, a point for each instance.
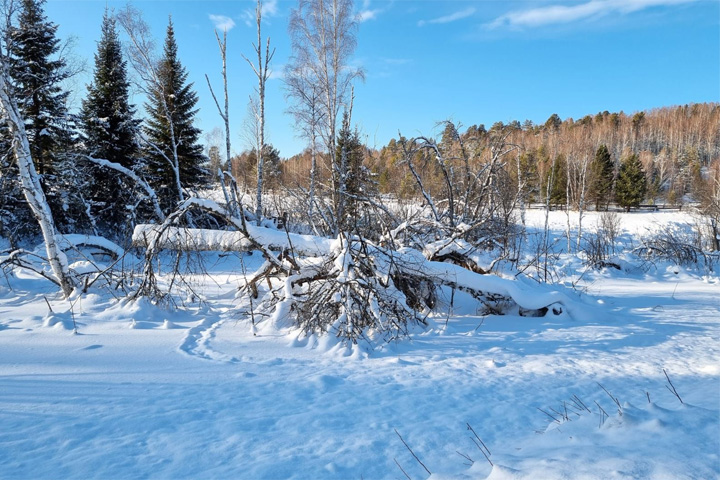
(366, 15)
(269, 9)
(222, 22)
(453, 17)
(559, 14)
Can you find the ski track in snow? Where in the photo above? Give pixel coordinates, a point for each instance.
(208, 399)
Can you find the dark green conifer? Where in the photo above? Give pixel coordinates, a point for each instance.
(351, 175)
(171, 110)
(109, 129)
(37, 76)
(602, 173)
(630, 186)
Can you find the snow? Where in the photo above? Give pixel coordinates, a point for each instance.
(144, 391)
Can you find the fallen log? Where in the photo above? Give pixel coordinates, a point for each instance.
(204, 240)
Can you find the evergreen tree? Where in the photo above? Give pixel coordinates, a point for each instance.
(272, 170)
(108, 126)
(36, 73)
(557, 176)
(630, 186)
(172, 109)
(355, 178)
(529, 173)
(37, 78)
(553, 122)
(602, 176)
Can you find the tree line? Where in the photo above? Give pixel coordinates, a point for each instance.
(662, 156)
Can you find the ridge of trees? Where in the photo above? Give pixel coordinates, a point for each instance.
(673, 144)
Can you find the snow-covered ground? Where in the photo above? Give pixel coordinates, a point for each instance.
(144, 392)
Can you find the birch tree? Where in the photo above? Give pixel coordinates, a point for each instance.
(323, 40)
(301, 88)
(30, 180)
(225, 115)
(263, 73)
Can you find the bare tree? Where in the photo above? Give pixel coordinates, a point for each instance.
(323, 41)
(225, 115)
(306, 93)
(30, 180)
(263, 73)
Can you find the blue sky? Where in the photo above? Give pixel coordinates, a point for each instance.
(472, 61)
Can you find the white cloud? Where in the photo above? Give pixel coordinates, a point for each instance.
(366, 15)
(558, 14)
(453, 17)
(269, 9)
(222, 22)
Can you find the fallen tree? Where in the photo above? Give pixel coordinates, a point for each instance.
(346, 288)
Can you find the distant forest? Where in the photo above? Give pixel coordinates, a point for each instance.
(674, 145)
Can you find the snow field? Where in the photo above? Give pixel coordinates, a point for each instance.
(145, 392)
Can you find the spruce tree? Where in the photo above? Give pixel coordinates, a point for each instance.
(630, 186)
(602, 176)
(171, 110)
(37, 76)
(557, 176)
(352, 176)
(37, 72)
(109, 127)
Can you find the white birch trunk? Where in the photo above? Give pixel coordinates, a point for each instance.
(568, 177)
(31, 185)
(581, 206)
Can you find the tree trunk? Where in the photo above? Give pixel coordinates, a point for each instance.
(31, 185)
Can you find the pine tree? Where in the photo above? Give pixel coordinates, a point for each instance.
(602, 176)
(108, 125)
(37, 78)
(170, 129)
(630, 186)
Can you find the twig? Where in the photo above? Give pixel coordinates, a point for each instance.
(466, 457)
(413, 453)
(401, 469)
(577, 400)
(672, 390)
(476, 435)
(603, 415)
(482, 451)
(546, 413)
(617, 402)
(48, 304)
